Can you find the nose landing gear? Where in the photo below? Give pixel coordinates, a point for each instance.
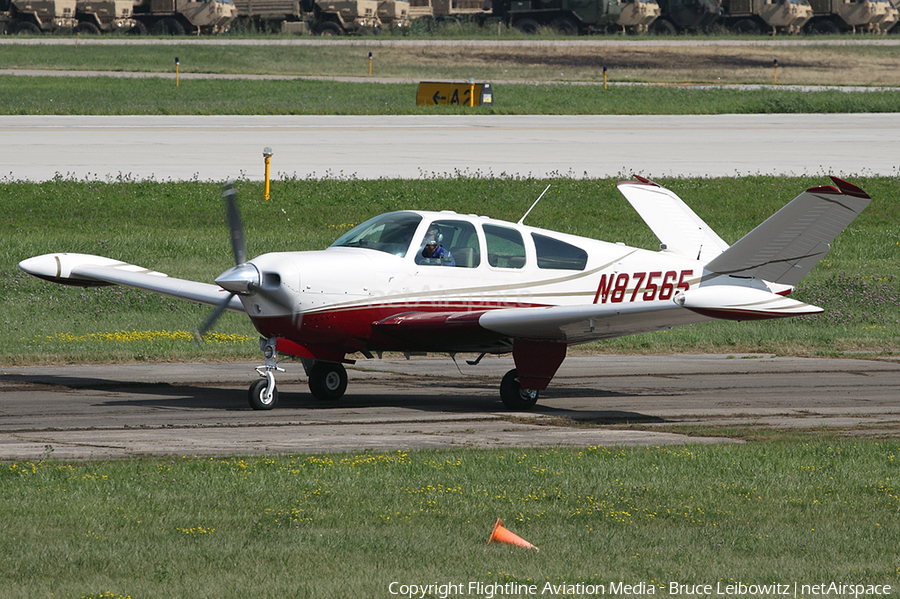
(327, 380)
(263, 394)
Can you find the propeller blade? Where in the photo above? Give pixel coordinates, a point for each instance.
(211, 320)
(239, 248)
(238, 242)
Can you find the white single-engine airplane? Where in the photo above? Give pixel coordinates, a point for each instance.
(415, 281)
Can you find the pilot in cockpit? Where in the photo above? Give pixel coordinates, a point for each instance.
(432, 251)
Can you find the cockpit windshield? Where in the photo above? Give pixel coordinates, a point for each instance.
(391, 233)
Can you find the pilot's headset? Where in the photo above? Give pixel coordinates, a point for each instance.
(438, 237)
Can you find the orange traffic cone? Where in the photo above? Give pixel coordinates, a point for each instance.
(501, 535)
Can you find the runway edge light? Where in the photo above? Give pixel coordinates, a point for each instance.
(267, 155)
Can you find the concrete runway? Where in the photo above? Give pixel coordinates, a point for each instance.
(85, 412)
(215, 148)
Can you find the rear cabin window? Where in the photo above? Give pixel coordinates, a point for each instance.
(505, 248)
(558, 255)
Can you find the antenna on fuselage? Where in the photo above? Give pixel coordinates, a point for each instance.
(535, 204)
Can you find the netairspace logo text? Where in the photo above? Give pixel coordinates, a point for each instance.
(482, 590)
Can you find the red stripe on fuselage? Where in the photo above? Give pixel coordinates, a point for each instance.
(440, 327)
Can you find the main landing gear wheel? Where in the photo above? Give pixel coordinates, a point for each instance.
(259, 399)
(514, 396)
(327, 380)
(528, 26)
(329, 28)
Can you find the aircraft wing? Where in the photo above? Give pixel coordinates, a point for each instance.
(672, 221)
(85, 270)
(584, 323)
(580, 324)
(566, 324)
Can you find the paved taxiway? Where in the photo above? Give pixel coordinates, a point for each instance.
(215, 148)
(201, 409)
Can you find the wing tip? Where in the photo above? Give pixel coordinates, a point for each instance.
(840, 187)
(640, 181)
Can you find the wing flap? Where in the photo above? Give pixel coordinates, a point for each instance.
(581, 324)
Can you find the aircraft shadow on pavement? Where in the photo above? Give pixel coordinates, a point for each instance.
(453, 398)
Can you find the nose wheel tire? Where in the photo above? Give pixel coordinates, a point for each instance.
(513, 396)
(327, 380)
(258, 395)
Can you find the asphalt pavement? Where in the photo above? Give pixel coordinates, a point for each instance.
(91, 411)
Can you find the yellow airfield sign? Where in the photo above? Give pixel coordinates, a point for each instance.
(446, 92)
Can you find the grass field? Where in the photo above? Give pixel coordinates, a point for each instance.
(153, 96)
(799, 511)
(527, 79)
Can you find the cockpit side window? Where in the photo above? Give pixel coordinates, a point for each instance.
(391, 233)
(450, 243)
(555, 254)
(505, 248)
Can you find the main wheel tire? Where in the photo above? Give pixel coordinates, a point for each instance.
(27, 28)
(138, 29)
(528, 26)
(513, 396)
(746, 27)
(257, 395)
(565, 26)
(86, 28)
(330, 28)
(822, 27)
(168, 26)
(327, 380)
(662, 27)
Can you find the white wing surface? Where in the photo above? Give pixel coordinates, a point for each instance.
(86, 270)
(581, 324)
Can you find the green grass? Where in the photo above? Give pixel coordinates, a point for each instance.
(347, 525)
(179, 228)
(526, 79)
(156, 96)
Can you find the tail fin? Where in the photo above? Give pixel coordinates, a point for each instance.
(676, 226)
(785, 247)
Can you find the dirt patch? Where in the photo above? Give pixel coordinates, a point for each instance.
(630, 60)
(797, 64)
